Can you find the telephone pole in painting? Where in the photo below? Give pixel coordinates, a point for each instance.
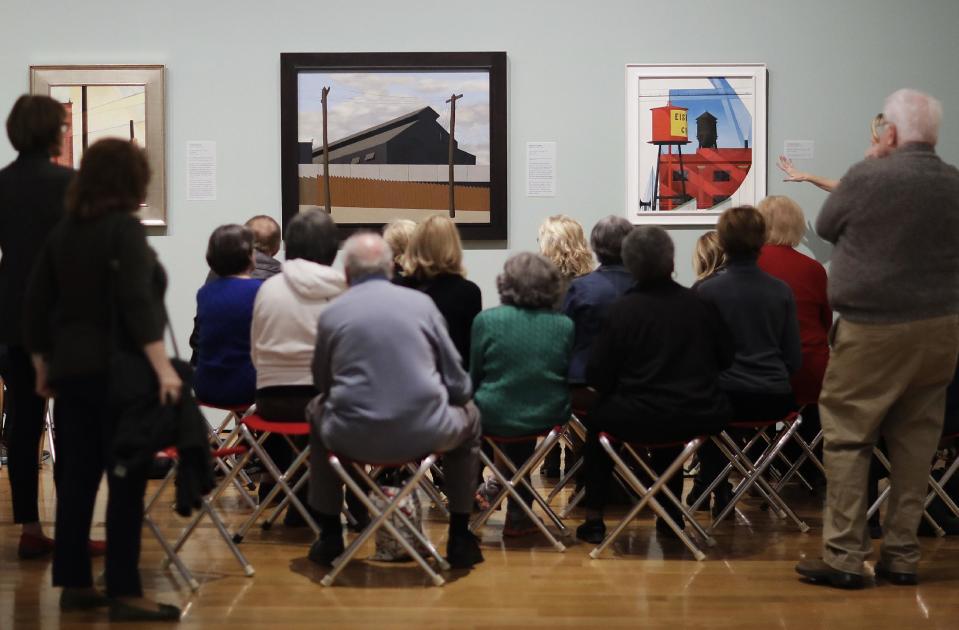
(326, 157)
(452, 101)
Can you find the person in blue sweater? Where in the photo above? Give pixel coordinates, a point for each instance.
(225, 376)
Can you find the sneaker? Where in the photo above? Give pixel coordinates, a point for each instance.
(32, 546)
(487, 491)
(463, 551)
(592, 531)
(324, 551)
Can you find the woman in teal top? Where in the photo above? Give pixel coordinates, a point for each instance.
(519, 360)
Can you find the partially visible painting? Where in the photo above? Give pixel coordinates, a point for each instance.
(111, 102)
(696, 141)
(372, 137)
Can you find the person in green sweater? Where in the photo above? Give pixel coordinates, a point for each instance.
(519, 359)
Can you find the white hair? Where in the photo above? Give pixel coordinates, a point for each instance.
(367, 254)
(915, 114)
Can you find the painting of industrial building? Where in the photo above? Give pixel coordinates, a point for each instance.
(389, 145)
(95, 112)
(694, 150)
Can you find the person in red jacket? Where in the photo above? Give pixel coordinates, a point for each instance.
(786, 226)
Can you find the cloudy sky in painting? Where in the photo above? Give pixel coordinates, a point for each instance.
(361, 100)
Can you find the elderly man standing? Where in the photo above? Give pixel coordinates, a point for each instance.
(391, 389)
(895, 284)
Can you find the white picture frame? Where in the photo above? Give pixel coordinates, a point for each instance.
(738, 94)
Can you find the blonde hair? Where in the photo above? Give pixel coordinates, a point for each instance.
(562, 240)
(785, 222)
(434, 248)
(397, 234)
(709, 255)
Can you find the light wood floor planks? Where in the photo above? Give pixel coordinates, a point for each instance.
(747, 581)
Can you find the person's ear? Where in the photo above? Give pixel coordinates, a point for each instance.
(892, 136)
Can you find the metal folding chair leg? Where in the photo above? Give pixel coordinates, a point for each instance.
(884, 495)
(539, 455)
(809, 452)
(381, 519)
(648, 496)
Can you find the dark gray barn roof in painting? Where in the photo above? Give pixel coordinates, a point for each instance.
(414, 138)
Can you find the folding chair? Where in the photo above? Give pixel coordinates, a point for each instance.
(575, 431)
(753, 472)
(206, 507)
(381, 518)
(233, 416)
(519, 474)
(648, 495)
(937, 486)
(288, 430)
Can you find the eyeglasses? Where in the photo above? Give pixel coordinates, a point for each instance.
(878, 123)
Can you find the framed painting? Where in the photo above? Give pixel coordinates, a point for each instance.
(372, 137)
(695, 141)
(111, 101)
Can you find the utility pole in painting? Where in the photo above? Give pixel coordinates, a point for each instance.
(452, 101)
(326, 157)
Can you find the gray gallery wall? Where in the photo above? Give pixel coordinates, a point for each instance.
(830, 65)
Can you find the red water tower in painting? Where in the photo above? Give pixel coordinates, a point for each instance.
(669, 130)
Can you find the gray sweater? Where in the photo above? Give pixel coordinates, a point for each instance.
(895, 224)
(387, 373)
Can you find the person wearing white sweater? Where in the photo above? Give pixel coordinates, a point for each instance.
(285, 316)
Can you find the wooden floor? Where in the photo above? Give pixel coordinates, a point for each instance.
(747, 581)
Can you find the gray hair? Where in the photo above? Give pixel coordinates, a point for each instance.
(915, 114)
(606, 239)
(529, 281)
(366, 254)
(648, 254)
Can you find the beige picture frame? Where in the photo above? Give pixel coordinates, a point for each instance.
(150, 130)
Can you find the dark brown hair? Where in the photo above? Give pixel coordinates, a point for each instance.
(742, 232)
(34, 124)
(230, 250)
(113, 177)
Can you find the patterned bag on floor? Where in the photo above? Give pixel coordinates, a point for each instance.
(388, 548)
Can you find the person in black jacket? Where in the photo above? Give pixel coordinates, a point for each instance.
(655, 366)
(434, 265)
(96, 294)
(32, 189)
(760, 311)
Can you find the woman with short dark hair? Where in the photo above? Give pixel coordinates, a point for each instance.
(655, 366)
(32, 189)
(225, 376)
(520, 357)
(98, 286)
(760, 311)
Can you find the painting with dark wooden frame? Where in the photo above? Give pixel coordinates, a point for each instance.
(373, 137)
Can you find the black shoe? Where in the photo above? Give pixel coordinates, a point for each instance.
(120, 611)
(324, 551)
(665, 531)
(818, 572)
(463, 551)
(592, 531)
(75, 599)
(694, 493)
(722, 495)
(895, 577)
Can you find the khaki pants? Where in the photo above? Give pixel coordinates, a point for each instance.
(884, 380)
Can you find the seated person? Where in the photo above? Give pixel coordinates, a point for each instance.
(434, 265)
(397, 234)
(391, 389)
(760, 312)
(283, 333)
(708, 258)
(520, 358)
(225, 376)
(589, 298)
(656, 367)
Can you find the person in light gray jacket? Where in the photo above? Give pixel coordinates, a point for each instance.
(391, 389)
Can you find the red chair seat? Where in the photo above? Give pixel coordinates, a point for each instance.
(256, 423)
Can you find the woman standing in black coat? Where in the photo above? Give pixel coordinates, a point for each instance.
(32, 189)
(98, 285)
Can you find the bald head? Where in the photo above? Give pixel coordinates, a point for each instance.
(915, 115)
(366, 254)
(266, 234)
